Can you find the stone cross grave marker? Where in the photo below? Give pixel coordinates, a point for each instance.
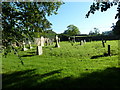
(56, 40)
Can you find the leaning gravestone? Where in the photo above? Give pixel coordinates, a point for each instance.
(39, 50)
(24, 49)
(56, 40)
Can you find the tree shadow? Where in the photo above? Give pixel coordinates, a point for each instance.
(24, 79)
(108, 78)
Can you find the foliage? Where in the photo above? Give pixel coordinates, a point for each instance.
(21, 19)
(50, 34)
(104, 6)
(95, 32)
(72, 30)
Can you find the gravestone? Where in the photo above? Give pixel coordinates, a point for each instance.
(108, 50)
(69, 39)
(30, 47)
(56, 40)
(42, 41)
(84, 41)
(24, 49)
(81, 42)
(103, 43)
(39, 50)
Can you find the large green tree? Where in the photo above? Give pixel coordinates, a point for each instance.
(72, 30)
(21, 19)
(104, 5)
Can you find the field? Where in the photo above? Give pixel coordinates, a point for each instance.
(77, 66)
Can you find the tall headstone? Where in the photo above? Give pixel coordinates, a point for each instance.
(42, 41)
(39, 50)
(108, 50)
(56, 40)
(30, 47)
(24, 48)
(103, 43)
(84, 41)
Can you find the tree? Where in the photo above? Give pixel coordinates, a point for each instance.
(50, 34)
(95, 32)
(72, 30)
(21, 19)
(91, 33)
(104, 6)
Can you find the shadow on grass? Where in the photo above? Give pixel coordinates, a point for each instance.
(97, 56)
(27, 55)
(108, 78)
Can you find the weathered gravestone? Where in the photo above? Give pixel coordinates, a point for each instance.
(109, 50)
(24, 49)
(81, 42)
(30, 47)
(103, 43)
(56, 40)
(84, 41)
(42, 41)
(39, 50)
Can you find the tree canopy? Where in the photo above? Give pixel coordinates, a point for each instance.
(95, 32)
(21, 19)
(104, 6)
(72, 30)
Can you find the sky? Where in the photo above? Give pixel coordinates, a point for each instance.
(73, 12)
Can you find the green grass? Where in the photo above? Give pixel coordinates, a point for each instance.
(65, 67)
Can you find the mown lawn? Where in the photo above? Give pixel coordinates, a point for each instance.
(76, 66)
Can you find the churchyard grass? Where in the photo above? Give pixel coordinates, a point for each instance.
(69, 66)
